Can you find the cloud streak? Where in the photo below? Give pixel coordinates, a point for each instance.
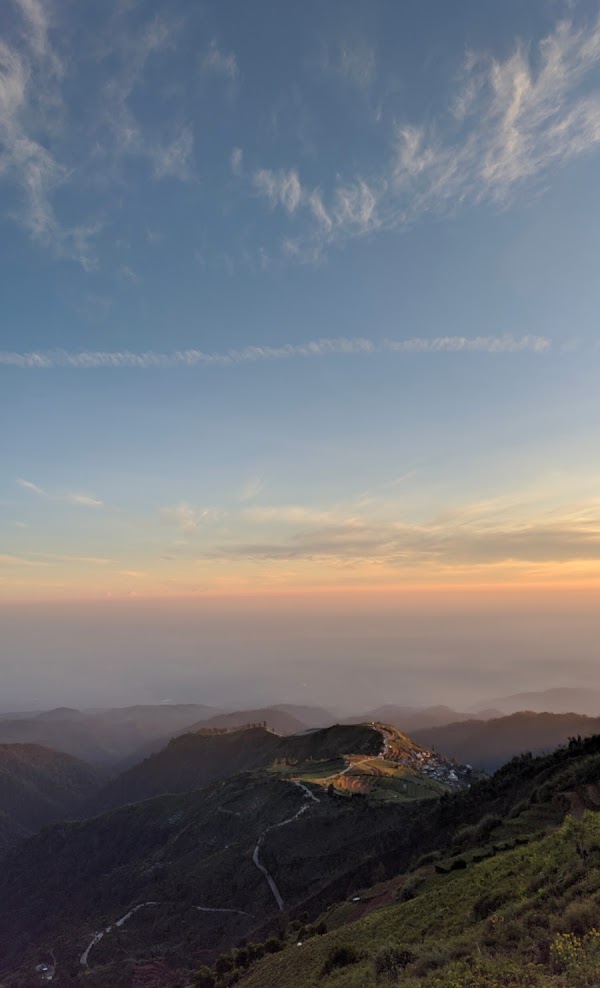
(68, 497)
(357, 540)
(340, 346)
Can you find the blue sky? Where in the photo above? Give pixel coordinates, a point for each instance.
(297, 296)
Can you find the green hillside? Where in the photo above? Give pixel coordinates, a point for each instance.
(528, 917)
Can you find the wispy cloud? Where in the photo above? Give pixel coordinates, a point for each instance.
(509, 122)
(130, 275)
(8, 560)
(352, 62)
(223, 63)
(236, 159)
(30, 486)
(289, 351)
(30, 75)
(514, 118)
(69, 497)
(281, 188)
(168, 149)
(47, 559)
(251, 488)
(473, 538)
(187, 517)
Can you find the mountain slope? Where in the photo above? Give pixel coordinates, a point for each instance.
(485, 925)
(40, 786)
(189, 854)
(489, 744)
(179, 873)
(192, 761)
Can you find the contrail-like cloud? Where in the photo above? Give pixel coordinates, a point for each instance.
(253, 354)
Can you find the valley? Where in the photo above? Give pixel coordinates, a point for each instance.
(330, 824)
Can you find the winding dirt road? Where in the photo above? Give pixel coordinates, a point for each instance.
(83, 960)
(308, 794)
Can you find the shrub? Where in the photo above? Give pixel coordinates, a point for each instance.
(580, 917)
(242, 957)
(430, 960)
(256, 951)
(340, 957)
(273, 945)
(477, 834)
(391, 959)
(488, 904)
(224, 964)
(204, 978)
(410, 889)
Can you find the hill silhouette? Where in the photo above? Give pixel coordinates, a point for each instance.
(40, 786)
(562, 700)
(194, 760)
(489, 744)
(410, 719)
(277, 720)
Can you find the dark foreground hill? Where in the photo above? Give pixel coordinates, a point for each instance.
(489, 744)
(40, 786)
(482, 880)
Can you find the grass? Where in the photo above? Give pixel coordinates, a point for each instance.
(523, 917)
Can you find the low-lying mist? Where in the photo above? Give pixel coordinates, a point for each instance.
(345, 653)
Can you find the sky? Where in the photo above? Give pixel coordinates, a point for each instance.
(298, 302)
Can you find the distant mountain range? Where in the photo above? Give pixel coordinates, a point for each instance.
(122, 736)
(557, 701)
(104, 737)
(410, 719)
(119, 738)
(488, 744)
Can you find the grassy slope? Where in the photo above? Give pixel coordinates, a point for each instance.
(501, 914)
